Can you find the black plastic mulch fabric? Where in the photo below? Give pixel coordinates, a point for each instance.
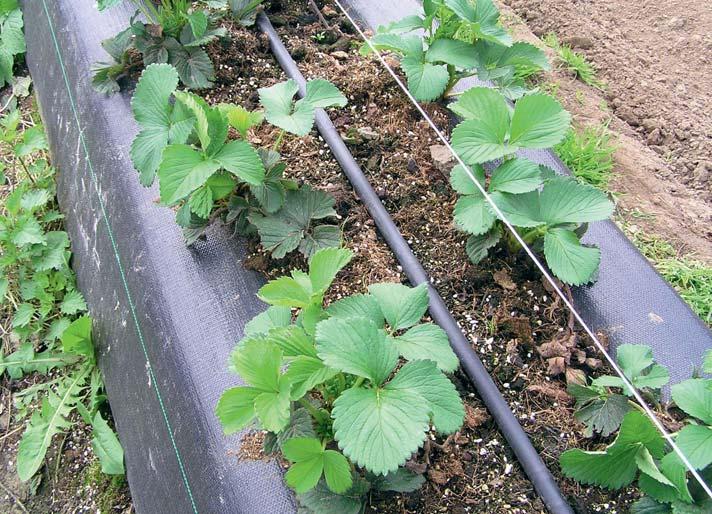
(630, 301)
(190, 305)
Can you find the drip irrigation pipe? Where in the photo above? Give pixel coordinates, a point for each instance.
(518, 440)
(545, 273)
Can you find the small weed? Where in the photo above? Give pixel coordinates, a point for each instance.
(580, 97)
(551, 88)
(574, 62)
(112, 489)
(589, 154)
(691, 278)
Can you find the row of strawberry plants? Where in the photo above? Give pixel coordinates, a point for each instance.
(458, 39)
(49, 333)
(183, 142)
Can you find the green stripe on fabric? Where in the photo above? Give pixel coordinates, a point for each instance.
(114, 246)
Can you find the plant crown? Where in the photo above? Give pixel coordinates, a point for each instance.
(175, 34)
(344, 408)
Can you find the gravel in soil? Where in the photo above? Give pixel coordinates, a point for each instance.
(520, 332)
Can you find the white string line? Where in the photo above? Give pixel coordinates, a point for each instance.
(531, 254)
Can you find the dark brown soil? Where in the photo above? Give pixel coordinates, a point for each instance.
(504, 309)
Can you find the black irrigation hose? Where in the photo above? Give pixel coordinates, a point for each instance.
(518, 440)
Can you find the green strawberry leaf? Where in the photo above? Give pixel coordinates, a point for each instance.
(325, 264)
(516, 176)
(378, 429)
(565, 200)
(401, 305)
(356, 346)
(321, 500)
(694, 396)
(612, 470)
(305, 373)
(452, 51)
(241, 119)
(570, 261)
(300, 425)
(538, 121)
(267, 394)
(286, 292)
(482, 136)
(281, 111)
(152, 110)
(463, 184)
(427, 341)
(695, 441)
(477, 247)
(243, 161)
(201, 202)
(310, 460)
(193, 64)
(426, 81)
(273, 317)
(600, 412)
(182, 171)
(401, 480)
(490, 131)
(292, 226)
(443, 400)
(357, 306)
(473, 214)
(322, 94)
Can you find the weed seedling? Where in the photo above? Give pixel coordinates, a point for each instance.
(574, 62)
(588, 153)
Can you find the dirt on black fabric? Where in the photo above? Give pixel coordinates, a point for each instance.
(502, 305)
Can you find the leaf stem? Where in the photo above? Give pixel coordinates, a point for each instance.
(278, 143)
(358, 382)
(313, 411)
(24, 166)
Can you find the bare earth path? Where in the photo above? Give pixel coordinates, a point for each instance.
(656, 60)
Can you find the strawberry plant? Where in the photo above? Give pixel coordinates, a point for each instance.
(456, 39)
(347, 393)
(639, 451)
(297, 117)
(174, 33)
(204, 174)
(550, 212)
(50, 333)
(602, 404)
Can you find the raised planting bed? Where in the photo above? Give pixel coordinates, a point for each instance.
(168, 316)
(629, 300)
